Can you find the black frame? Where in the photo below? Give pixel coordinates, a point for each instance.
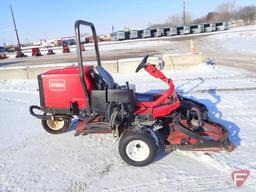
(40, 84)
(78, 23)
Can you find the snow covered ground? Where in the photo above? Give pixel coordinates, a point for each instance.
(240, 39)
(33, 160)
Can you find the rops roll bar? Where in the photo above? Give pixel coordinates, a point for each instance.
(78, 23)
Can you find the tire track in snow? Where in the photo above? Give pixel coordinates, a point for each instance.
(6, 153)
(196, 88)
(228, 77)
(208, 183)
(30, 91)
(13, 101)
(77, 186)
(95, 173)
(100, 168)
(16, 97)
(225, 89)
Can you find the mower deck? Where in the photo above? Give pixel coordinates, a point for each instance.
(209, 137)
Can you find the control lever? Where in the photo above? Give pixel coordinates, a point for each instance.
(127, 84)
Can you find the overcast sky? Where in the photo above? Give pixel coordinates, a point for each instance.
(44, 19)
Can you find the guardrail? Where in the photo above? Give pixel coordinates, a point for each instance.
(166, 62)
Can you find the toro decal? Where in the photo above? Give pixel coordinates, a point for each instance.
(57, 85)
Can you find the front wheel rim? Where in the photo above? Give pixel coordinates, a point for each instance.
(55, 124)
(137, 150)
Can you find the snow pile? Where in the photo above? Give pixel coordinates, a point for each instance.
(33, 160)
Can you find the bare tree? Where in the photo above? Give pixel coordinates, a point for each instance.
(177, 19)
(226, 10)
(199, 20)
(247, 13)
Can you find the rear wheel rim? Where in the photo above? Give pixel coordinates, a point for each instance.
(55, 124)
(137, 150)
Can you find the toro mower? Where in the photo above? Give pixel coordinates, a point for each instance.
(143, 122)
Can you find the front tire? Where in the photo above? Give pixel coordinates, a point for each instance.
(138, 147)
(56, 126)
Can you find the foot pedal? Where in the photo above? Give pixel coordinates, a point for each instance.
(96, 130)
(99, 127)
(84, 121)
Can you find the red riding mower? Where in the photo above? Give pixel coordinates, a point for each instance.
(141, 121)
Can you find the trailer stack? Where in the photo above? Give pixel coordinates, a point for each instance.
(169, 31)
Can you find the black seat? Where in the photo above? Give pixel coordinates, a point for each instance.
(105, 76)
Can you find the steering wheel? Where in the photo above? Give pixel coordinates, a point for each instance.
(142, 63)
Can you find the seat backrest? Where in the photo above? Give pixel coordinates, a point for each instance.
(105, 76)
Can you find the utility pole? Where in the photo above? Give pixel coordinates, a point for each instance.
(13, 19)
(184, 13)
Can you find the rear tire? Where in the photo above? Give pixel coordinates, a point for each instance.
(138, 147)
(56, 126)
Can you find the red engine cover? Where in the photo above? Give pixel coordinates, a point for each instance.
(60, 87)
